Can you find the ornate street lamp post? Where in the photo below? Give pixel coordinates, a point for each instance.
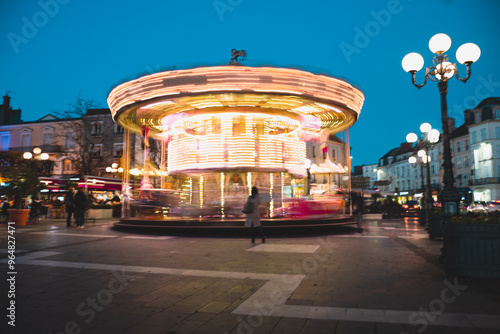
(424, 160)
(441, 72)
(427, 140)
(37, 154)
(114, 169)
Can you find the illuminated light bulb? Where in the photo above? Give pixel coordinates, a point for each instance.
(468, 53)
(412, 62)
(439, 43)
(433, 136)
(425, 127)
(447, 67)
(411, 137)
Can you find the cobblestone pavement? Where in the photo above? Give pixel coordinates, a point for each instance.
(383, 279)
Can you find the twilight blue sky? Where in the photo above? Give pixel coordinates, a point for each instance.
(51, 53)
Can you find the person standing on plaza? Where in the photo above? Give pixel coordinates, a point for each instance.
(252, 219)
(116, 206)
(69, 203)
(80, 207)
(5, 206)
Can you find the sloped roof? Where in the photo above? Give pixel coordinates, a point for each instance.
(488, 101)
(48, 117)
(463, 130)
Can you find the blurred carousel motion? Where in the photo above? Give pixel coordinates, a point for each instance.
(197, 140)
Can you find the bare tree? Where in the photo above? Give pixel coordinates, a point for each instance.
(86, 147)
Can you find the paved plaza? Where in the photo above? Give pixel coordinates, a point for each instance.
(384, 278)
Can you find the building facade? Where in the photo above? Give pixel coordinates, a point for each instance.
(329, 165)
(475, 147)
(78, 146)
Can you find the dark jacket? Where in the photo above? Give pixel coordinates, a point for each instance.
(80, 201)
(69, 202)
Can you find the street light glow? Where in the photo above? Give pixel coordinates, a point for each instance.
(412, 62)
(411, 137)
(468, 53)
(425, 127)
(433, 136)
(439, 43)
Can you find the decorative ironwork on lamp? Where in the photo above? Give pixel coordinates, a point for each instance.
(441, 72)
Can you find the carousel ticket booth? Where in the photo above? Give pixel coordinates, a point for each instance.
(197, 140)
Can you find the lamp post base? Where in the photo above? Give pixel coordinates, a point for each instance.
(449, 199)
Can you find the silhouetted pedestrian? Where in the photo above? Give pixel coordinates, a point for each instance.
(252, 219)
(69, 203)
(80, 207)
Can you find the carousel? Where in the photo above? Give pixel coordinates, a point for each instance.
(197, 140)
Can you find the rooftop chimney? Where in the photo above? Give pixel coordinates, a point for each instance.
(451, 124)
(467, 116)
(6, 102)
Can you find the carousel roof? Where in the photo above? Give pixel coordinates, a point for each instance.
(318, 101)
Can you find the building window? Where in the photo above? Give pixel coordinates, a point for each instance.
(497, 113)
(433, 169)
(26, 140)
(483, 134)
(48, 139)
(96, 128)
(478, 116)
(314, 151)
(497, 132)
(466, 144)
(473, 138)
(69, 142)
(334, 155)
(67, 166)
(459, 148)
(466, 161)
(96, 151)
(118, 129)
(486, 172)
(118, 150)
(459, 162)
(5, 140)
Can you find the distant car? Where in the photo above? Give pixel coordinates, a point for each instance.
(411, 207)
(477, 207)
(493, 206)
